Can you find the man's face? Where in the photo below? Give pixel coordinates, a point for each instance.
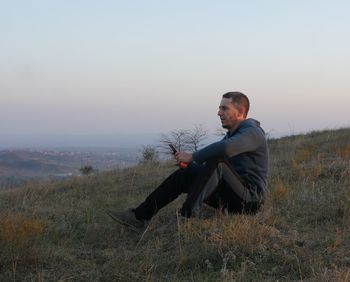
(230, 115)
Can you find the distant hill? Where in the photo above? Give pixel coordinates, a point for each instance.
(58, 231)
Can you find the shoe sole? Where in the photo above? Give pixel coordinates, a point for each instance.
(132, 227)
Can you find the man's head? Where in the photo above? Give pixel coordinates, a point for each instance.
(233, 109)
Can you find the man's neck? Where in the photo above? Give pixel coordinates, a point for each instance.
(231, 130)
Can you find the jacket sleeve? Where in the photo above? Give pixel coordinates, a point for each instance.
(245, 140)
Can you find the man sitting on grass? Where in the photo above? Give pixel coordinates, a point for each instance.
(230, 175)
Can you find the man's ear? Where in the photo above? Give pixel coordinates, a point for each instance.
(241, 111)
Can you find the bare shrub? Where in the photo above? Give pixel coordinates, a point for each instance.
(149, 154)
(195, 137)
(184, 139)
(176, 137)
(87, 170)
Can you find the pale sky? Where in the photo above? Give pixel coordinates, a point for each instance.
(106, 67)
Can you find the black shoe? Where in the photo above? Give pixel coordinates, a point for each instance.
(127, 218)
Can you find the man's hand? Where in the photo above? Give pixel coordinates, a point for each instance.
(183, 157)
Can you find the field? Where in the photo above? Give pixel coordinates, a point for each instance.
(58, 231)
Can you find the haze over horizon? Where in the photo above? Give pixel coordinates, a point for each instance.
(88, 68)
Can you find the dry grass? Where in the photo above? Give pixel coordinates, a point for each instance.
(59, 232)
(19, 238)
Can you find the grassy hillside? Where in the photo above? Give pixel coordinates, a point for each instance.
(59, 231)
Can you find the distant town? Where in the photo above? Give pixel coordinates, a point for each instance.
(19, 165)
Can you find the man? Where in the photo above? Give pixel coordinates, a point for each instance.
(230, 174)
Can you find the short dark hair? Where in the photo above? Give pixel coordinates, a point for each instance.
(239, 99)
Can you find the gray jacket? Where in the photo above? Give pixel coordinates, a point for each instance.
(246, 150)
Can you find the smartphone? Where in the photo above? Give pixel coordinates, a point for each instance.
(173, 148)
(182, 165)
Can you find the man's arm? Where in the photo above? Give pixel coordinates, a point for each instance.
(245, 140)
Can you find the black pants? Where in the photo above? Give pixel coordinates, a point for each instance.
(215, 184)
